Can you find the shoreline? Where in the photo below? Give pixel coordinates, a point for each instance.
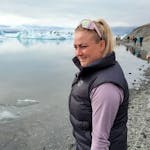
(139, 102)
(140, 51)
(139, 116)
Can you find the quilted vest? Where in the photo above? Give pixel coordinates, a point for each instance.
(105, 70)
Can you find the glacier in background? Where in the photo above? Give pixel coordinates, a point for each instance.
(48, 33)
(36, 32)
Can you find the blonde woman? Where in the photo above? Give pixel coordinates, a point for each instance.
(98, 101)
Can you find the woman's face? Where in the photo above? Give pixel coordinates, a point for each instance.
(87, 50)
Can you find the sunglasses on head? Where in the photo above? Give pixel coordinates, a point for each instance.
(89, 24)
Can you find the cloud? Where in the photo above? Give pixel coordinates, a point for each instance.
(70, 12)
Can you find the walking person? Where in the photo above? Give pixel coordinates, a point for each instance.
(98, 101)
(141, 41)
(135, 40)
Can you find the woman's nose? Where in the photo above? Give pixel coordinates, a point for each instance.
(78, 51)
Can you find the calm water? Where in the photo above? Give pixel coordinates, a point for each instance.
(35, 78)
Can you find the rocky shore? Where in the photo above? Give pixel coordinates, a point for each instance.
(139, 102)
(139, 116)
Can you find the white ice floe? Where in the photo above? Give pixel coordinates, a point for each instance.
(6, 115)
(26, 102)
(36, 32)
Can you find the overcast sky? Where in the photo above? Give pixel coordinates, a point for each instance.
(70, 12)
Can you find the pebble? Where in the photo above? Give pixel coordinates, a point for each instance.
(139, 117)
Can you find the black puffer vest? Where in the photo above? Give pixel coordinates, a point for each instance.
(106, 70)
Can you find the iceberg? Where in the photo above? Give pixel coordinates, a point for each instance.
(7, 115)
(48, 35)
(36, 32)
(26, 102)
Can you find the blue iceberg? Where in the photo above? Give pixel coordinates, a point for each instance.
(36, 32)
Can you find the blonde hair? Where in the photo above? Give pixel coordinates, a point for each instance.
(107, 35)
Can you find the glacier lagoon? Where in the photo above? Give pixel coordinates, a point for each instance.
(35, 81)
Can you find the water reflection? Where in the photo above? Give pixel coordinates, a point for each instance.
(132, 65)
(34, 52)
(31, 42)
(137, 51)
(26, 42)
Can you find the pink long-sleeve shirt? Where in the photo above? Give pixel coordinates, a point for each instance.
(105, 100)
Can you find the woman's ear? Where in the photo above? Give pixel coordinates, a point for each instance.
(102, 45)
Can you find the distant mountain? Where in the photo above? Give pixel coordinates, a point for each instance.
(143, 30)
(119, 30)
